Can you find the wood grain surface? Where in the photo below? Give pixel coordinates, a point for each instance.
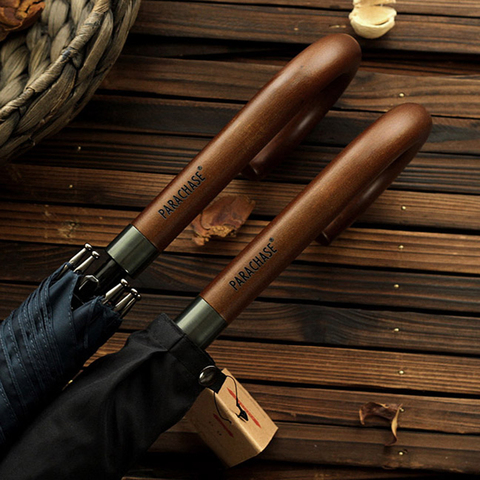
(336, 445)
(369, 90)
(271, 24)
(331, 367)
(466, 8)
(388, 313)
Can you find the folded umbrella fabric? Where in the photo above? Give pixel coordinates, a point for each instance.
(112, 412)
(43, 343)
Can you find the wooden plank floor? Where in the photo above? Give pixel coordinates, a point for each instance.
(388, 313)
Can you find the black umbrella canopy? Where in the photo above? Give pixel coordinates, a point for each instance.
(115, 409)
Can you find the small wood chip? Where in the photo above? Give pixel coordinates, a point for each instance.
(222, 218)
(380, 410)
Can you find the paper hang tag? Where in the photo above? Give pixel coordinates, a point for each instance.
(231, 422)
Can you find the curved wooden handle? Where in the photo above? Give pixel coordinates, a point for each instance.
(342, 68)
(284, 105)
(364, 199)
(329, 203)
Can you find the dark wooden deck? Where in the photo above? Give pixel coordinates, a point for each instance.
(388, 313)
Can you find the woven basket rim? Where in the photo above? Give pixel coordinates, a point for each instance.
(54, 70)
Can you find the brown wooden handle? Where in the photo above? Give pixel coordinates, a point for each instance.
(310, 78)
(347, 184)
(341, 74)
(364, 199)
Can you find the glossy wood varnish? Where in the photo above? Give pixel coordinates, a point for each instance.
(274, 121)
(328, 204)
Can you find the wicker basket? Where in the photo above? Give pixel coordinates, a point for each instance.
(51, 70)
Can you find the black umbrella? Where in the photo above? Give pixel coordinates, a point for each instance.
(45, 342)
(112, 412)
(103, 425)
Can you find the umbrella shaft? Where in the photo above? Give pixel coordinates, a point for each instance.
(108, 275)
(129, 253)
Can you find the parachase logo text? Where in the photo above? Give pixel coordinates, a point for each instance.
(183, 193)
(253, 266)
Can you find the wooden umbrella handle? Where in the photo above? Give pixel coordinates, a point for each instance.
(348, 184)
(314, 109)
(275, 120)
(364, 199)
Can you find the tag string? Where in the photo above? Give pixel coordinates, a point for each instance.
(242, 413)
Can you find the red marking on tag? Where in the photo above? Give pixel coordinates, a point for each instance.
(245, 408)
(222, 424)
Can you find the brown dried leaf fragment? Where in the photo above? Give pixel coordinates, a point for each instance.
(222, 218)
(380, 410)
(18, 14)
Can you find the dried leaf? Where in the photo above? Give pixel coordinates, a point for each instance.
(18, 14)
(388, 412)
(222, 218)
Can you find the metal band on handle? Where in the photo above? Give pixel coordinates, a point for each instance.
(201, 322)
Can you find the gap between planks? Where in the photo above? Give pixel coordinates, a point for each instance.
(123, 152)
(134, 190)
(465, 8)
(202, 118)
(338, 367)
(312, 324)
(347, 446)
(301, 282)
(395, 249)
(292, 25)
(169, 465)
(238, 81)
